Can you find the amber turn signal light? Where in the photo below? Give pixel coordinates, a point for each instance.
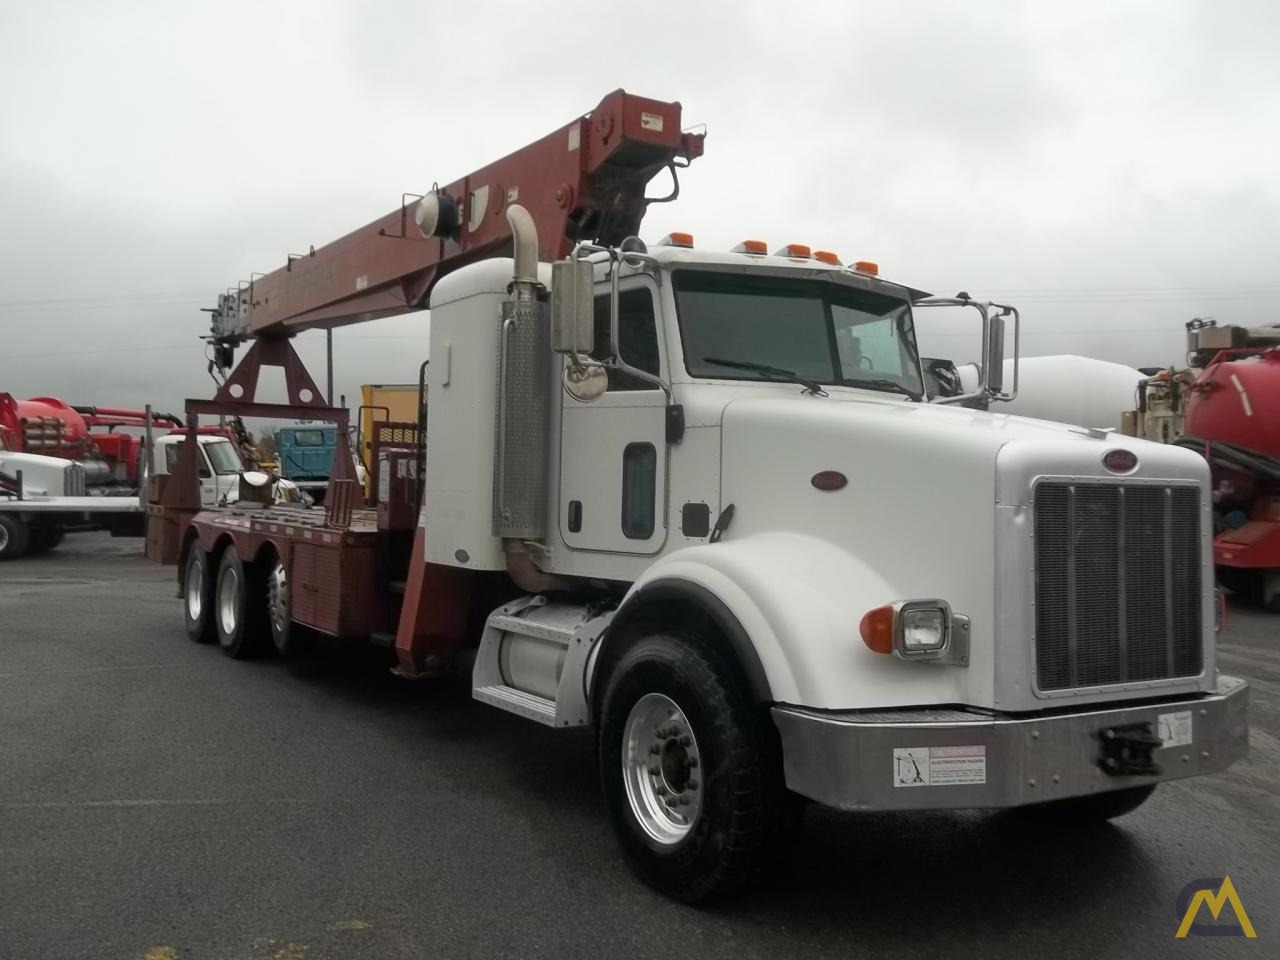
(877, 629)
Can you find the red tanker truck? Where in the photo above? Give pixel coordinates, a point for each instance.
(1227, 407)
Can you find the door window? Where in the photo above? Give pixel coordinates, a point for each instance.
(639, 490)
(637, 337)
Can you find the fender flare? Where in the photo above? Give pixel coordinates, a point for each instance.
(666, 592)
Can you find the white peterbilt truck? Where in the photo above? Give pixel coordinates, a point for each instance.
(703, 502)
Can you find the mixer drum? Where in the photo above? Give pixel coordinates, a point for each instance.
(1236, 402)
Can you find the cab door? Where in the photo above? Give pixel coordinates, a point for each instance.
(613, 452)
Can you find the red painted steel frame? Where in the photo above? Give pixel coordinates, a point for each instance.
(585, 181)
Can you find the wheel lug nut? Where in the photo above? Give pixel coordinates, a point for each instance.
(654, 770)
(693, 762)
(691, 784)
(685, 741)
(655, 749)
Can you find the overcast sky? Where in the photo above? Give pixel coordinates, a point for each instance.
(1109, 167)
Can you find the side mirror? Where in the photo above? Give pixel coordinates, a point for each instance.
(993, 356)
(941, 378)
(572, 307)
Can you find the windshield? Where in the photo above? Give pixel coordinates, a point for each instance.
(221, 455)
(815, 329)
(304, 438)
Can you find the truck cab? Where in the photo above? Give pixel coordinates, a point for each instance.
(305, 452)
(740, 448)
(219, 464)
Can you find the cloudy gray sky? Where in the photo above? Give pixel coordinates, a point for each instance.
(1110, 167)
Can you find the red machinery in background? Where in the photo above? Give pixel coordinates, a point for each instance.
(1227, 407)
(95, 437)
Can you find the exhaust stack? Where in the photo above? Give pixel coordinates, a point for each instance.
(520, 462)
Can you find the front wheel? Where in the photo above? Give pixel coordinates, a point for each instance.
(690, 767)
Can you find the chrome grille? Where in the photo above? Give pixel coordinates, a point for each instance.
(1117, 583)
(73, 484)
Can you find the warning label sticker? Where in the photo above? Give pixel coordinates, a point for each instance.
(939, 766)
(1174, 729)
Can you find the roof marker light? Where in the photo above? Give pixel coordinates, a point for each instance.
(826, 256)
(869, 267)
(756, 247)
(797, 251)
(676, 239)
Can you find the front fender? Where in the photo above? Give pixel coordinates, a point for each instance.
(799, 600)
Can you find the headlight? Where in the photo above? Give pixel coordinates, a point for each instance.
(918, 630)
(923, 629)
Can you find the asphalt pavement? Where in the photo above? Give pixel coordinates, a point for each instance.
(161, 801)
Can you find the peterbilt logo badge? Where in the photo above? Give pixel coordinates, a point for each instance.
(1120, 461)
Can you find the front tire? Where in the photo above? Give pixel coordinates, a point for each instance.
(197, 596)
(237, 612)
(691, 769)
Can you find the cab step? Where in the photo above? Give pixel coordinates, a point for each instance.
(528, 705)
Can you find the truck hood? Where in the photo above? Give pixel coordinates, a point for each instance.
(923, 515)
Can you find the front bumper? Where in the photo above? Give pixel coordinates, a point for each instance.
(924, 759)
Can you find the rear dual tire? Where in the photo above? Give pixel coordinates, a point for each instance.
(197, 595)
(239, 609)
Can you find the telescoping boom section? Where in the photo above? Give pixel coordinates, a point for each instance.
(585, 181)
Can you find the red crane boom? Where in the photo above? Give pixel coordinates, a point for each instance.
(585, 181)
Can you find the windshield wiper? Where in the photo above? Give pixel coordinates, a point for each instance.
(773, 373)
(880, 383)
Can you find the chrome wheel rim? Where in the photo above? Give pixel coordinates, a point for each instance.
(661, 768)
(228, 600)
(278, 597)
(4, 536)
(195, 589)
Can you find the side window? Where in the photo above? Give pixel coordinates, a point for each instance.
(866, 344)
(637, 336)
(639, 490)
